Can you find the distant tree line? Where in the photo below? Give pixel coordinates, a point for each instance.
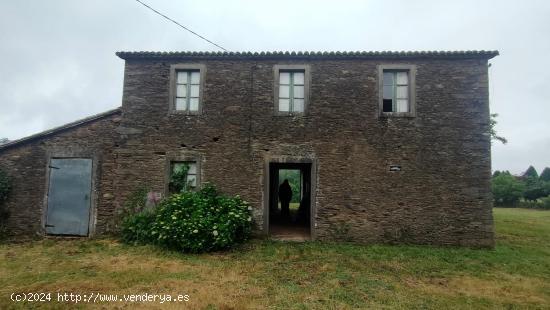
(528, 190)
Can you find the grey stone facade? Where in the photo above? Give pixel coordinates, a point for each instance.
(441, 195)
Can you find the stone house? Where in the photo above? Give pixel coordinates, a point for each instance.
(390, 147)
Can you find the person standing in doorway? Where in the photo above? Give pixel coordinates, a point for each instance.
(285, 195)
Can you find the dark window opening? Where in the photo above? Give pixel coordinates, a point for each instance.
(387, 105)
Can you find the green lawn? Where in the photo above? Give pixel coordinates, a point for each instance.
(291, 206)
(264, 274)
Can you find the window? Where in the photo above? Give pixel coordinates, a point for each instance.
(186, 88)
(396, 91)
(191, 179)
(397, 85)
(291, 89)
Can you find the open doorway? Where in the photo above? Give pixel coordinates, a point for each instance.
(290, 201)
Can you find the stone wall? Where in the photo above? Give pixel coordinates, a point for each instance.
(27, 165)
(441, 195)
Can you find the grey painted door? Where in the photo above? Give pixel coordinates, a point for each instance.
(69, 196)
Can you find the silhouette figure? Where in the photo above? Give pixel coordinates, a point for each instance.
(285, 195)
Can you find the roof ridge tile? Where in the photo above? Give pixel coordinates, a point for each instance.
(308, 54)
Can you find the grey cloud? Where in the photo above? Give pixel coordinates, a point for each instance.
(58, 61)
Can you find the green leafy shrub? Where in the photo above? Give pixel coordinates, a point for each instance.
(135, 203)
(543, 204)
(136, 228)
(507, 190)
(193, 222)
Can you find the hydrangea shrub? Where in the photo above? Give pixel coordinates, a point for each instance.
(192, 222)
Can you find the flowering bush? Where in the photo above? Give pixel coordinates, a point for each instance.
(192, 222)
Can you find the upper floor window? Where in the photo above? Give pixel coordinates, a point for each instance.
(396, 91)
(397, 84)
(291, 89)
(186, 88)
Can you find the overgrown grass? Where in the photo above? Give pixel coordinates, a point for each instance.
(265, 274)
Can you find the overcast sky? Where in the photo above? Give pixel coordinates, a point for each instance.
(58, 63)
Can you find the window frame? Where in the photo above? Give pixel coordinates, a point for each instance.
(182, 159)
(307, 81)
(188, 163)
(172, 88)
(411, 72)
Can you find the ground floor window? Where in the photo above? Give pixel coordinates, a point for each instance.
(178, 168)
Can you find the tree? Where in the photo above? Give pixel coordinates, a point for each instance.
(535, 189)
(545, 175)
(507, 190)
(494, 136)
(531, 172)
(496, 173)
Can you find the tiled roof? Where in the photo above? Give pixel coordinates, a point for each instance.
(372, 54)
(55, 130)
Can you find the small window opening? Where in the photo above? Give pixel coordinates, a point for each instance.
(177, 170)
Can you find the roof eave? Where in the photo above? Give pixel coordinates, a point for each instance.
(311, 55)
(59, 129)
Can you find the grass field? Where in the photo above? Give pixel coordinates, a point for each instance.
(265, 274)
(292, 206)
